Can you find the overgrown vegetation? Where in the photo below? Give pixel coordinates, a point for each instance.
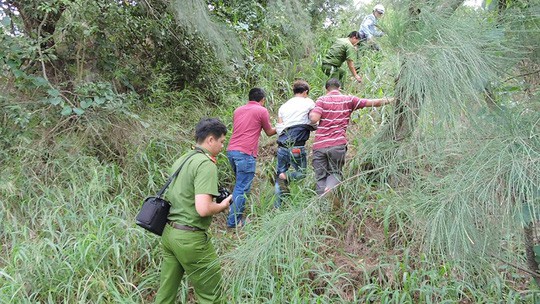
(441, 197)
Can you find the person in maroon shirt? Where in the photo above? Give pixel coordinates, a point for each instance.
(333, 111)
(248, 121)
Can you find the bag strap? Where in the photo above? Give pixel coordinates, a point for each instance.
(162, 191)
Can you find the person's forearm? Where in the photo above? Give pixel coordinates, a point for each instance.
(379, 102)
(205, 206)
(271, 132)
(314, 117)
(350, 63)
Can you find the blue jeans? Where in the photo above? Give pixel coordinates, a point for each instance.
(287, 157)
(243, 166)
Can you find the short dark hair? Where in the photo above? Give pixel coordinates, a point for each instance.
(354, 34)
(256, 94)
(333, 83)
(300, 86)
(209, 127)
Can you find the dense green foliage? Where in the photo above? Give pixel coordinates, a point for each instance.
(441, 198)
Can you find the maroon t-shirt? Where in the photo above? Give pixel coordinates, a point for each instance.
(335, 110)
(248, 121)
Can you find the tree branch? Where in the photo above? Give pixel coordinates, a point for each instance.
(534, 274)
(521, 75)
(40, 52)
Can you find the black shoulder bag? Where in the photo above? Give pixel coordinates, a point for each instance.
(155, 210)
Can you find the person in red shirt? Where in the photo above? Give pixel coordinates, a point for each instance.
(248, 121)
(333, 111)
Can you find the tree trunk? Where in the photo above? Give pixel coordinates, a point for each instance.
(405, 115)
(37, 21)
(530, 242)
(490, 98)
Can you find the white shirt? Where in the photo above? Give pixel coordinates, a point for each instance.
(294, 112)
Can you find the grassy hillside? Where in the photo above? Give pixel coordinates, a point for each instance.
(440, 200)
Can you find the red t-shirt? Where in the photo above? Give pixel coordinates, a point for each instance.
(248, 121)
(335, 110)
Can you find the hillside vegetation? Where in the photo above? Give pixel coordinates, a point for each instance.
(441, 197)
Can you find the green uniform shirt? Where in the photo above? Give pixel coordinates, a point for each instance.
(339, 52)
(198, 176)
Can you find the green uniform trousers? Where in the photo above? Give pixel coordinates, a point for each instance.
(333, 71)
(192, 253)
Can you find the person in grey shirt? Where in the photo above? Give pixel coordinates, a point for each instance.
(369, 29)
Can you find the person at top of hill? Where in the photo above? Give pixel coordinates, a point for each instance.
(333, 111)
(343, 49)
(369, 29)
(293, 130)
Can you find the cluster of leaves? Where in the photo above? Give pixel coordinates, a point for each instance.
(90, 95)
(63, 46)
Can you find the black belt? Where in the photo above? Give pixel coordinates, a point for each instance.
(184, 227)
(296, 145)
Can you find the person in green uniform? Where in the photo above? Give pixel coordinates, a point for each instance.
(344, 49)
(187, 247)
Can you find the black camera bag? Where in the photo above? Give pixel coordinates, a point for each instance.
(155, 209)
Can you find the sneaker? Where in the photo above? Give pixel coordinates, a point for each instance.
(240, 224)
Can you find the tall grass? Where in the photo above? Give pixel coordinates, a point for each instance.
(73, 240)
(68, 210)
(273, 263)
(464, 172)
(435, 218)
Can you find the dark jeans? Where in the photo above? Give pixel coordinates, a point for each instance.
(287, 157)
(328, 164)
(243, 166)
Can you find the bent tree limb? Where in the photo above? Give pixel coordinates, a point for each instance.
(530, 242)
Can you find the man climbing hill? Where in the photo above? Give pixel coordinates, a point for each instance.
(294, 129)
(369, 29)
(333, 111)
(344, 49)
